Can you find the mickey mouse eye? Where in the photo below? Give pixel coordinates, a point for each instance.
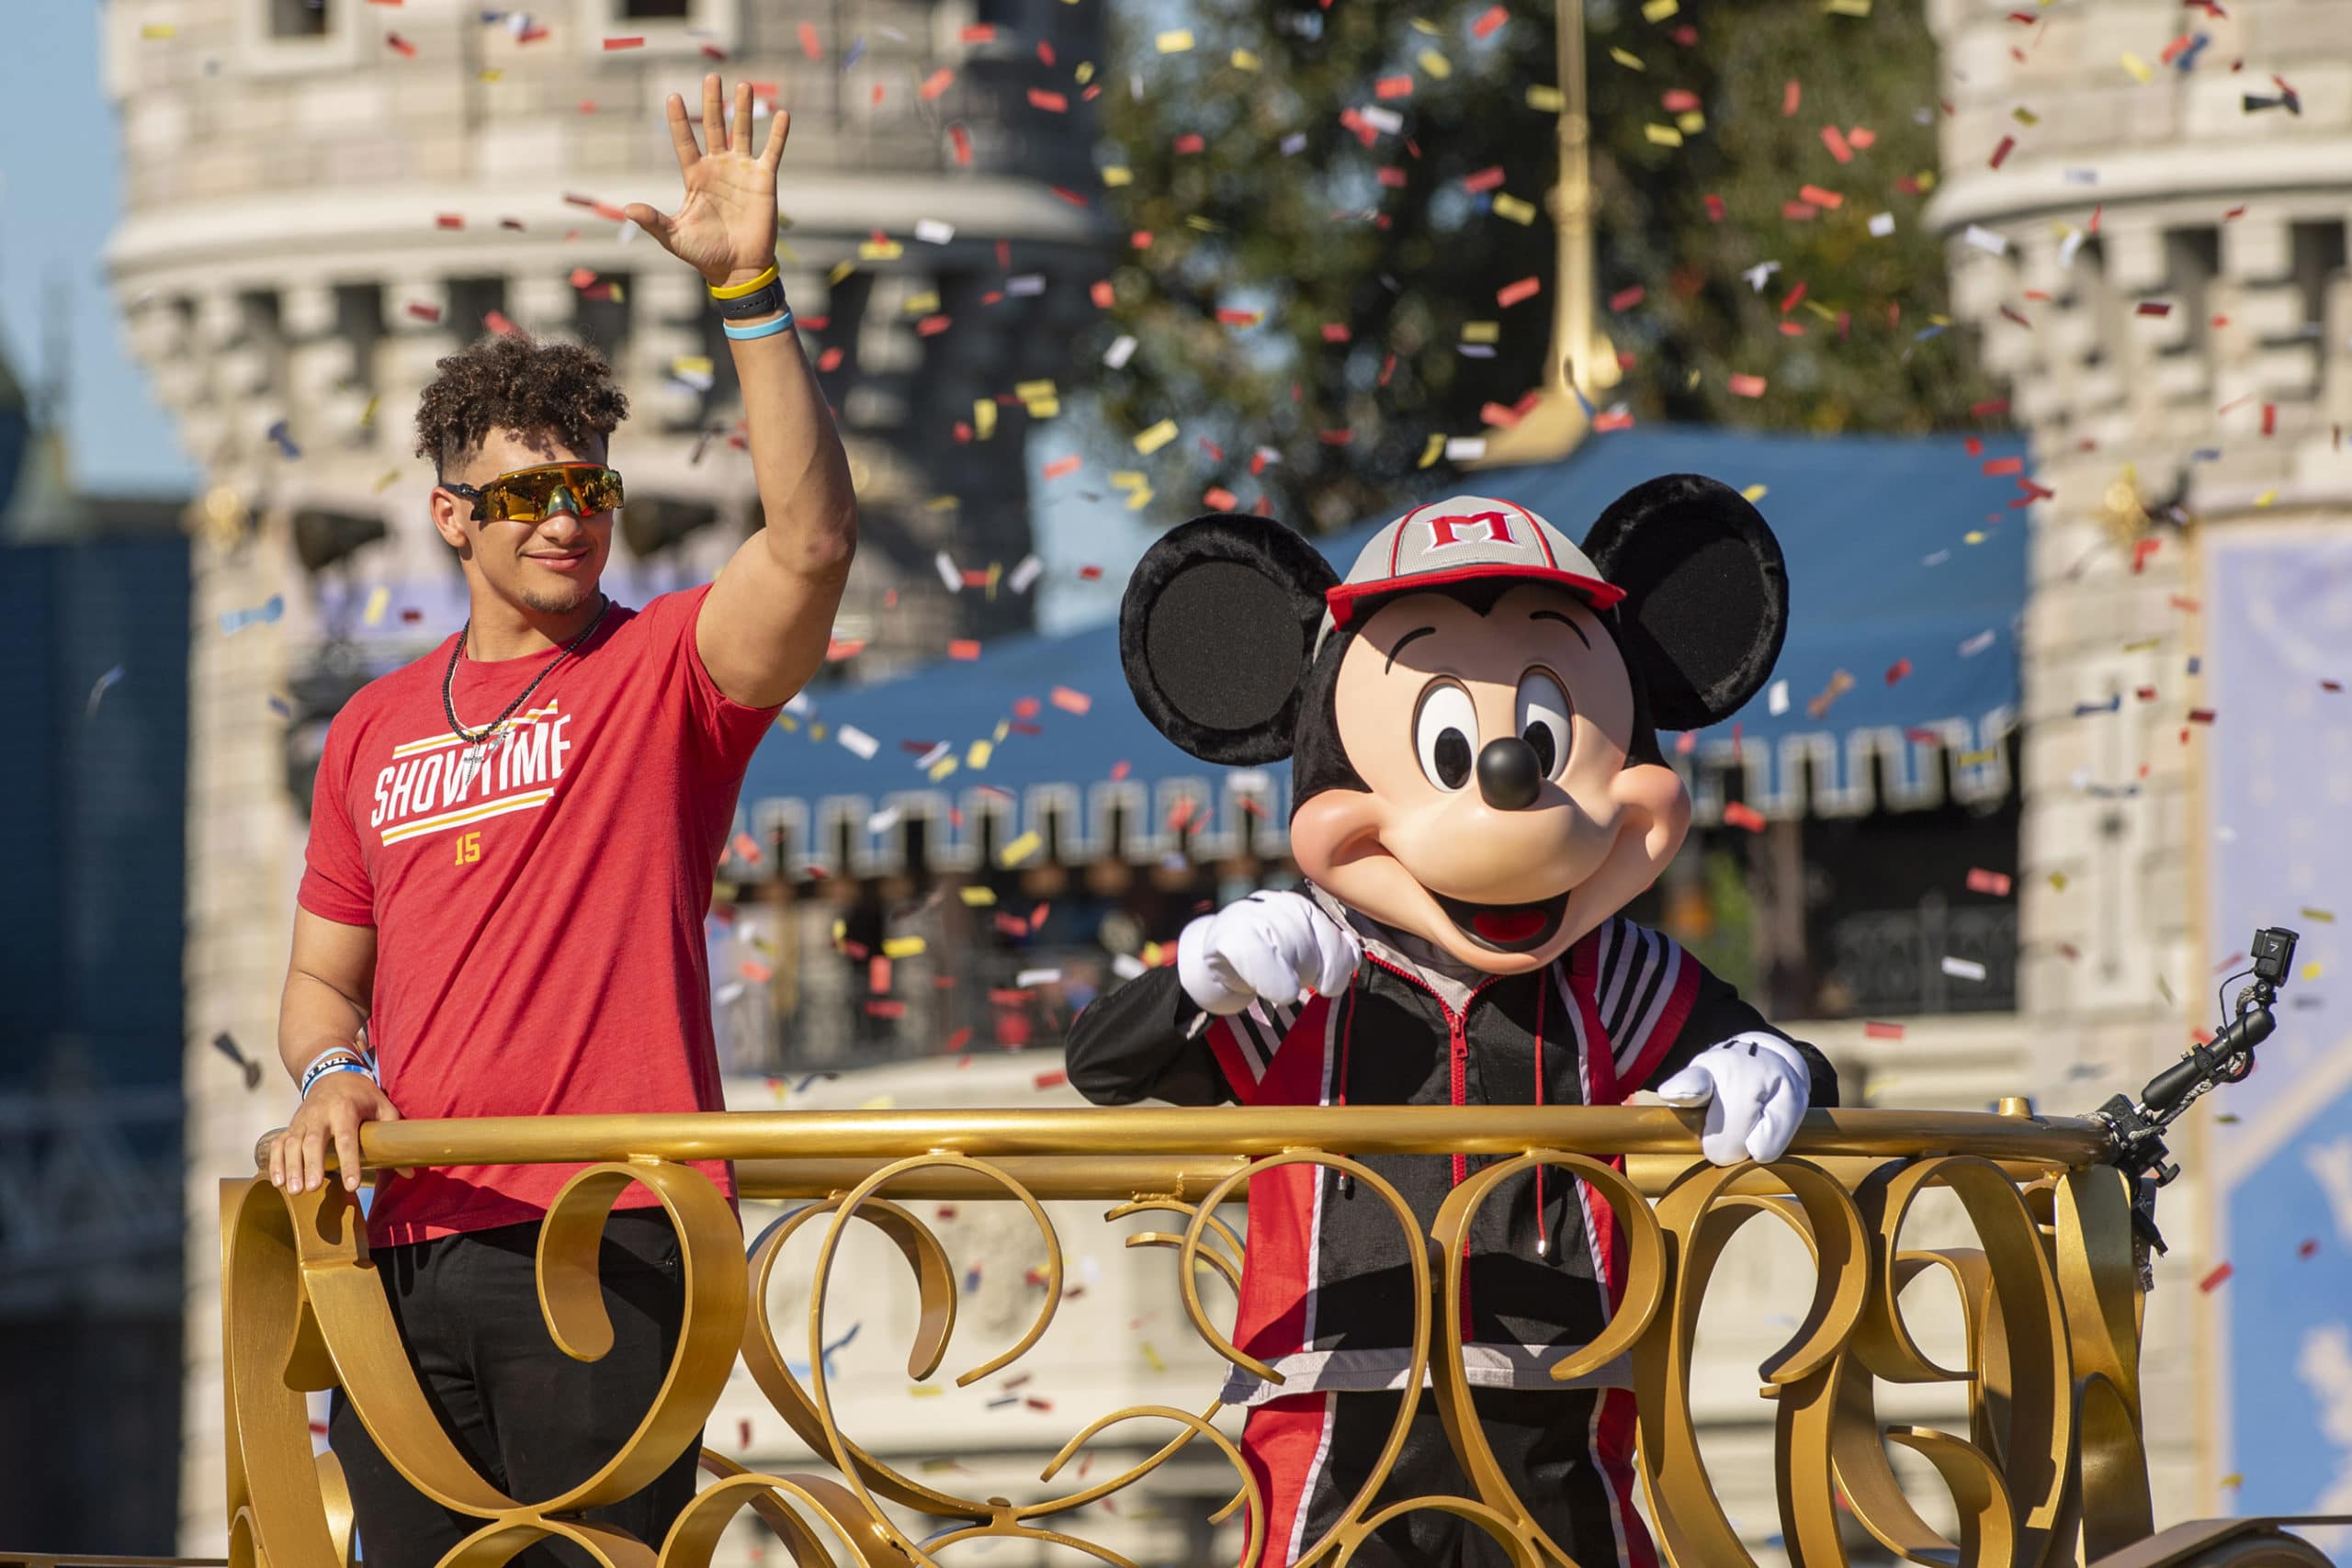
(1445, 735)
(1543, 720)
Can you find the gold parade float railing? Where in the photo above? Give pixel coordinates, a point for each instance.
(2050, 1470)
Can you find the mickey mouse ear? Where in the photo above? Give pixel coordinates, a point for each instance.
(1216, 631)
(1706, 602)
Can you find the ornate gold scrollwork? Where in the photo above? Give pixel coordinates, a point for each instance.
(2053, 1449)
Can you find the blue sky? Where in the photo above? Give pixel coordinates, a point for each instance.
(58, 199)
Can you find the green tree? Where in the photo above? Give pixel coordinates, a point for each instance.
(1351, 262)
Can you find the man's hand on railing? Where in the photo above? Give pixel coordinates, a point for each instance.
(334, 1108)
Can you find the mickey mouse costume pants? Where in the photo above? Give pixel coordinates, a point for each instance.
(1569, 1451)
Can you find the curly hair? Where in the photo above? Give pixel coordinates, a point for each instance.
(508, 381)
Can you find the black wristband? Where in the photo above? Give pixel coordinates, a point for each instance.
(765, 301)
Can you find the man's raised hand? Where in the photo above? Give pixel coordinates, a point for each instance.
(725, 225)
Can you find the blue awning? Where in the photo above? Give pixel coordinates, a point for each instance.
(1906, 570)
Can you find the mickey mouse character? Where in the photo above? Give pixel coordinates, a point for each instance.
(1471, 718)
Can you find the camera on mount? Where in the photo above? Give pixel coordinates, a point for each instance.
(2274, 954)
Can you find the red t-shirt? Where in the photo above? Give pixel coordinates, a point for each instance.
(539, 925)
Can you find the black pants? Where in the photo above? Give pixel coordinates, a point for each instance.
(1567, 1454)
(534, 1421)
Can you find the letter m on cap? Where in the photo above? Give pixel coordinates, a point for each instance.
(1490, 526)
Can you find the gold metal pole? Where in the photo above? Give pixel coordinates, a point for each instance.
(1580, 357)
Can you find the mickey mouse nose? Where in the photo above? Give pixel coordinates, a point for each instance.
(1510, 773)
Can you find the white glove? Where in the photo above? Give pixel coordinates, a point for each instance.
(1755, 1087)
(1268, 947)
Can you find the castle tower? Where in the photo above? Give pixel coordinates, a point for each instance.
(2155, 264)
(325, 197)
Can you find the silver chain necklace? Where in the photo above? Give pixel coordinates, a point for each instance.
(480, 742)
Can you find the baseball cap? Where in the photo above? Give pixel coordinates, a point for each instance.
(1461, 539)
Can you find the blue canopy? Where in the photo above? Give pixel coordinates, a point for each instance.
(1906, 572)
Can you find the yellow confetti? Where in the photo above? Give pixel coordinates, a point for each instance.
(976, 756)
(879, 1102)
(382, 596)
(2138, 67)
(1151, 954)
(1034, 391)
(2266, 498)
(1550, 101)
(1129, 478)
(923, 304)
(691, 364)
(976, 897)
(1084, 73)
(2310, 970)
(1205, 225)
(942, 768)
(490, 75)
(840, 270)
(903, 947)
(391, 477)
(1848, 7)
(1020, 849)
(1151, 1358)
(2025, 116)
(1431, 453)
(158, 31)
(1754, 493)
(1973, 537)
(2058, 882)
(1118, 175)
(816, 732)
(1175, 41)
(1436, 64)
(367, 414)
(1510, 207)
(1627, 59)
(879, 250)
(1044, 408)
(1244, 61)
(1482, 331)
(2325, 917)
(942, 503)
(788, 724)
(1659, 10)
(1690, 123)
(1139, 500)
(2233, 1480)
(1423, 25)
(924, 1391)
(1663, 135)
(1003, 725)
(1980, 758)
(984, 417)
(2144, 644)
(1159, 435)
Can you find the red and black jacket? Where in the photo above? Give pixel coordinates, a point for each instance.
(1326, 1296)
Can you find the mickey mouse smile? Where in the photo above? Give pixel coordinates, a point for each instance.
(1506, 928)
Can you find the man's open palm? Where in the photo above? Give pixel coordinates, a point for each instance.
(725, 225)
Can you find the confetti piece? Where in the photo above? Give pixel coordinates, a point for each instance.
(1069, 701)
(1159, 435)
(1028, 977)
(1985, 239)
(235, 621)
(1996, 883)
(2325, 917)
(1872, 1030)
(2213, 1279)
(1547, 101)
(157, 31)
(1897, 670)
(1020, 849)
(1963, 968)
(1489, 21)
(1510, 207)
(1659, 10)
(932, 86)
(1175, 41)
(1743, 386)
(2138, 67)
(98, 691)
(858, 741)
(1740, 814)
(1840, 685)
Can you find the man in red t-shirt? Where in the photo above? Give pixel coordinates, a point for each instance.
(511, 848)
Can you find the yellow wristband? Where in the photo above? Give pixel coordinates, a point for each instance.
(736, 290)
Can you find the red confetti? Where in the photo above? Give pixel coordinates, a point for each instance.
(1492, 17)
(830, 360)
(1790, 97)
(1228, 317)
(1216, 498)
(1053, 1079)
(980, 32)
(1483, 180)
(449, 221)
(2000, 466)
(935, 84)
(1511, 294)
(1191, 142)
(1996, 883)
(1897, 671)
(964, 647)
(932, 326)
(2154, 307)
(1061, 465)
(756, 972)
(2307, 1249)
(749, 848)
(808, 44)
(962, 142)
(407, 49)
(1052, 102)
(1820, 197)
(743, 1433)
(1102, 294)
(2001, 153)
(2200, 716)
(1988, 407)
(1069, 701)
(2213, 1279)
(2270, 419)
(1119, 770)
(1872, 1030)
(1393, 87)
(1836, 141)
(1740, 814)
(1861, 136)
(1745, 386)
(1626, 298)
(1715, 208)
(613, 43)
(1044, 53)
(2141, 550)
(497, 321)
(424, 312)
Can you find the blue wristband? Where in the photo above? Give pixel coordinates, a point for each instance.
(765, 329)
(330, 1070)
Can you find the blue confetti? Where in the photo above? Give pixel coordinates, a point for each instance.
(856, 53)
(234, 621)
(1923, 334)
(281, 434)
(2188, 61)
(279, 707)
(98, 691)
(2112, 704)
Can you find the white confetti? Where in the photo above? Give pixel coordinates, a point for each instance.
(728, 992)
(2082, 176)
(1984, 240)
(940, 749)
(883, 820)
(1248, 780)
(1388, 120)
(1021, 576)
(801, 706)
(1776, 700)
(858, 741)
(1977, 644)
(1464, 448)
(98, 692)
(931, 231)
(1126, 965)
(1963, 968)
(1028, 977)
(1756, 274)
(1293, 145)
(948, 574)
(2068, 246)
(1027, 285)
(1882, 225)
(1121, 349)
